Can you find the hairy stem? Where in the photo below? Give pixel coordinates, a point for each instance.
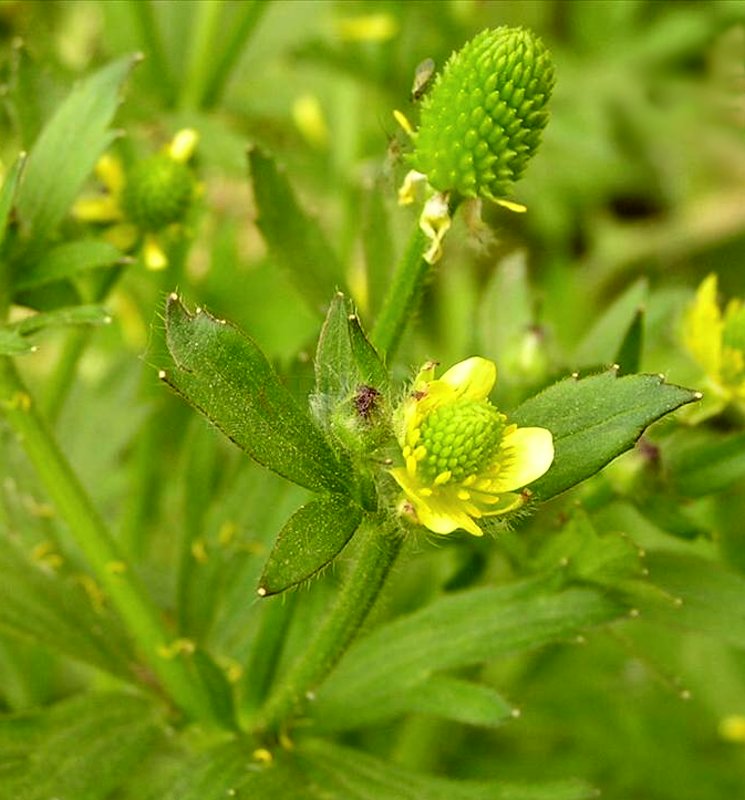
(379, 546)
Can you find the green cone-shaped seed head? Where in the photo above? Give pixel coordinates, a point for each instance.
(483, 118)
(159, 191)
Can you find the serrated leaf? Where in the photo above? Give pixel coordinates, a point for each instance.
(224, 374)
(295, 240)
(347, 774)
(66, 261)
(701, 462)
(83, 748)
(345, 359)
(7, 194)
(314, 535)
(455, 631)
(58, 612)
(594, 420)
(67, 149)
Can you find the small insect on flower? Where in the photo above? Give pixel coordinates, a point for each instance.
(366, 401)
(423, 75)
(462, 461)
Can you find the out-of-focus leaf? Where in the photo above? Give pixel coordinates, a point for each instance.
(12, 343)
(294, 239)
(223, 373)
(629, 355)
(702, 462)
(83, 748)
(455, 631)
(75, 315)
(594, 420)
(601, 343)
(347, 774)
(67, 149)
(7, 194)
(458, 700)
(66, 261)
(701, 596)
(59, 613)
(226, 771)
(312, 537)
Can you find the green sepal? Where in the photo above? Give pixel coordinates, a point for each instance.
(295, 240)
(67, 150)
(313, 536)
(224, 374)
(595, 419)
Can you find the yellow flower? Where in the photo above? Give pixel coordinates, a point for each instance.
(716, 341)
(147, 203)
(462, 460)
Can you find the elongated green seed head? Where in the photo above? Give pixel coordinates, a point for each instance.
(483, 118)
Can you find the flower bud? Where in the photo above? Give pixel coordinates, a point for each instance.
(159, 191)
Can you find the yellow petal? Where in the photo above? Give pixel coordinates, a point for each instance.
(527, 454)
(367, 28)
(703, 326)
(100, 208)
(110, 172)
(183, 145)
(123, 236)
(471, 379)
(153, 255)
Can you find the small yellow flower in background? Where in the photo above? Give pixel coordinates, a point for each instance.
(462, 460)
(716, 341)
(367, 28)
(147, 203)
(732, 728)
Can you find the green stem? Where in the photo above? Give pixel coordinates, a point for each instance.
(379, 546)
(403, 295)
(249, 14)
(205, 30)
(91, 535)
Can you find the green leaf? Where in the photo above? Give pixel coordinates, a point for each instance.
(12, 343)
(8, 193)
(67, 149)
(594, 420)
(699, 595)
(701, 462)
(347, 774)
(629, 353)
(601, 343)
(225, 771)
(294, 239)
(64, 613)
(458, 700)
(83, 748)
(68, 260)
(75, 315)
(311, 539)
(345, 360)
(223, 373)
(454, 631)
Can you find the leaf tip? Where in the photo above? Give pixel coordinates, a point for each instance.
(162, 375)
(262, 591)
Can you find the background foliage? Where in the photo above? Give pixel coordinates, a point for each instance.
(600, 643)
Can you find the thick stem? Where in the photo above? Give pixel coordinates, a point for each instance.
(403, 295)
(381, 541)
(127, 595)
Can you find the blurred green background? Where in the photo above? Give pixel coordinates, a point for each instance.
(637, 192)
